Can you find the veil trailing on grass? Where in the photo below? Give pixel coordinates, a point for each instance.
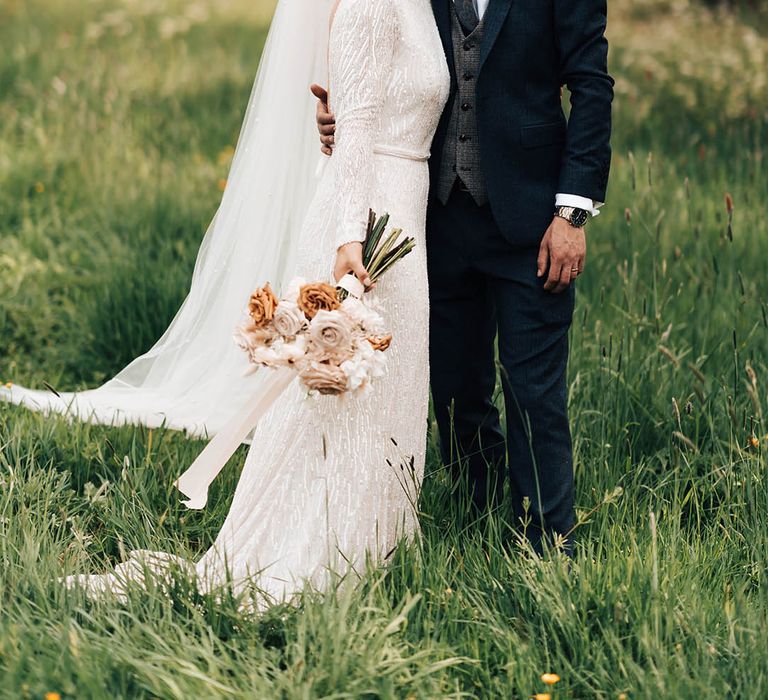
(193, 378)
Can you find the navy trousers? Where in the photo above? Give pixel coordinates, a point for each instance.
(483, 287)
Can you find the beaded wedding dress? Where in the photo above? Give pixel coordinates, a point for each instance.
(331, 481)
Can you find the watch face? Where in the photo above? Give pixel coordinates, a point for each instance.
(579, 217)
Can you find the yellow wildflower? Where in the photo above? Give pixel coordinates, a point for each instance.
(53, 696)
(542, 696)
(550, 678)
(754, 441)
(226, 155)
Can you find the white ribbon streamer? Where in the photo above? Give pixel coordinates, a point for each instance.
(194, 482)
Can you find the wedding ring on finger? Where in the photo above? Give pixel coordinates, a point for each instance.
(575, 272)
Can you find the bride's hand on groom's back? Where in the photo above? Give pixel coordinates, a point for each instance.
(326, 122)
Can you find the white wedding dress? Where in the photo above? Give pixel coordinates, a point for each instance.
(331, 481)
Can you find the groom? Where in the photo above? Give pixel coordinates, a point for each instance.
(513, 185)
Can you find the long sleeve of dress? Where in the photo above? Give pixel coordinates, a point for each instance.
(362, 47)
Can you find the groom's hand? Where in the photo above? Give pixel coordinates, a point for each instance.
(326, 122)
(562, 254)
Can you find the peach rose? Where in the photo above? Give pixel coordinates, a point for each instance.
(328, 380)
(318, 297)
(262, 305)
(380, 342)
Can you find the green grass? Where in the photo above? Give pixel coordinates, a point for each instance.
(114, 135)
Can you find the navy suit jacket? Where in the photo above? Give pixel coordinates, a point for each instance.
(528, 151)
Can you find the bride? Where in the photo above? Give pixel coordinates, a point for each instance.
(328, 481)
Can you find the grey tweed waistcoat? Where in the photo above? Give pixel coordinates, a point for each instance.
(461, 151)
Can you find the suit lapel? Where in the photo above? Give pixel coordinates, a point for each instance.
(442, 10)
(494, 20)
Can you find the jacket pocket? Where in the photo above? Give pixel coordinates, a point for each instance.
(538, 135)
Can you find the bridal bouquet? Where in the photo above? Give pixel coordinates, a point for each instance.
(333, 340)
(328, 336)
(334, 346)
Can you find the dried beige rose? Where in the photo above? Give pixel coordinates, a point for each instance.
(380, 342)
(326, 379)
(262, 305)
(318, 297)
(330, 335)
(289, 320)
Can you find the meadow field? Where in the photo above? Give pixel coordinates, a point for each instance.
(117, 125)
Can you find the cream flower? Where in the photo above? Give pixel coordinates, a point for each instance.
(365, 365)
(292, 351)
(357, 373)
(363, 315)
(266, 356)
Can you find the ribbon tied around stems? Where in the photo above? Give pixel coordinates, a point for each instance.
(353, 286)
(194, 482)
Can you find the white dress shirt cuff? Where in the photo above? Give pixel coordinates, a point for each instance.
(574, 200)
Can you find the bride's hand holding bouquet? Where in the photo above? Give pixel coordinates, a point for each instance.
(330, 337)
(349, 261)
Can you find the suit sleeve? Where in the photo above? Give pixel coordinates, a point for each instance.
(580, 28)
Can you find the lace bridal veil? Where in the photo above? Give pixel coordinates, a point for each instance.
(192, 379)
